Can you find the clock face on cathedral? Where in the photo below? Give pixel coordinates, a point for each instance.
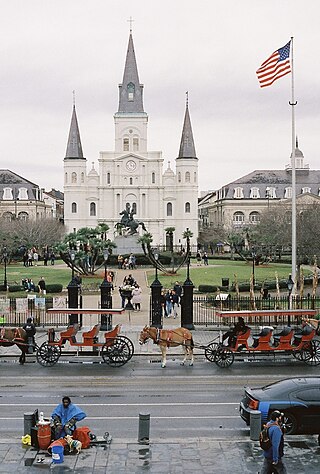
(131, 165)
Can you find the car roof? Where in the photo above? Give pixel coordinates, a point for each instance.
(294, 381)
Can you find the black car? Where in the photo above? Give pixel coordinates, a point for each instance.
(298, 398)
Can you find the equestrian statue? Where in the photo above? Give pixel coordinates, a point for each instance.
(128, 223)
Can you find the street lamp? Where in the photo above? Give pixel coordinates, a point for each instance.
(105, 257)
(72, 254)
(5, 256)
(188, 255)
(254, 254)
(290, 285)
(156, 257)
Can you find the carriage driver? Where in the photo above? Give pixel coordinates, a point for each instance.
(239, 328)
(30, 329)
(64, 417)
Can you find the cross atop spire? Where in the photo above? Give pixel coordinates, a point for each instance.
(187, 99)
(130, 21)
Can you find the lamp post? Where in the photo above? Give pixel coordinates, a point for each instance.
(290, 285)
(187, 297)
(105, 296)
(73, 291)
(156, 308)
(254, 254)
(5, 256)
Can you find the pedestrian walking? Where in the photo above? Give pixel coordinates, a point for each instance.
(136, 297)
(199, 258)
(175, 303)
(35, 258)
(163, 304)
(120, 261)
(169, 303)
(205, 258)
(273, 456)
(178, 290)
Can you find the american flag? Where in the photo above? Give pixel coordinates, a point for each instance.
(276, 66)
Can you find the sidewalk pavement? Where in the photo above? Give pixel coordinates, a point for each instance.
(190, 455)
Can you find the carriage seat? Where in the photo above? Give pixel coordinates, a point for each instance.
(69, 334)
(90, 336)
(284, 336)
(263, 338)
(306, 334)
(111, 335)
(242, 339)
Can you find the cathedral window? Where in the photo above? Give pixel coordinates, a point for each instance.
(187, 207)
(254, 217)
(74, 208)
(130, 181)
(195, 177)
(130, 88)
(126, 144)
(179, 177)
(82, 177)
(153, 178)
(23, 216)
(73, 177)
(92, 208)
(7, 193)
(134, 207)
(187, 177)
(108, 178)
(23, 193)
(288, 193)
(65, 177)
(135, 143)
(238, 217)
(238, 193)
(169, 209)
(254, 193)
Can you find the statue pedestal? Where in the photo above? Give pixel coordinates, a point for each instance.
(127, 244)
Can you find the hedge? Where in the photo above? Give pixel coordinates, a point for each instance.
(54, 288)
(207, 288)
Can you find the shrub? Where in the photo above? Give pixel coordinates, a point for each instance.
(207, 288)
(54, 288)
(15, 288)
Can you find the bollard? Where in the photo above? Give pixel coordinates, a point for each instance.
(255, 425)
(144, 428)
(29, 421)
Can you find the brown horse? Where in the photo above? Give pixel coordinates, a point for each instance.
(314, 323)
(15, 336)
(165, 338)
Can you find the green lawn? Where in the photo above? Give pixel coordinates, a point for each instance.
(217, 269)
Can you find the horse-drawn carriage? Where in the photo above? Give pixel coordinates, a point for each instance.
(299, 343)
(115, 349)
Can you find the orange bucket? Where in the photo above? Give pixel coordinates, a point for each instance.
(44, 435)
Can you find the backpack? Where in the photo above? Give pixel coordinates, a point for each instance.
(264, 440)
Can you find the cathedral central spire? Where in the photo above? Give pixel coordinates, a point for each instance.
(130, 91)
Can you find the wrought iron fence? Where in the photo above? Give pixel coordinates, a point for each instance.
(15, 311)
(206, 307)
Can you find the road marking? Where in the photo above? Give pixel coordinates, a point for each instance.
(177, 404)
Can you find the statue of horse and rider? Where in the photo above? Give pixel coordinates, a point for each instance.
(128, 222)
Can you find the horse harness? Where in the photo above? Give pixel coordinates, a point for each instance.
(168, 340)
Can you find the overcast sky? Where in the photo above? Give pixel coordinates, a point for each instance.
(210, 48)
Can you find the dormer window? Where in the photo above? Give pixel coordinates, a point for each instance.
(288, 193)
(23, 193)
(7, 193)
(254, 193)
(130, 88)
(238, 193)
(271, 193)
(306, 190)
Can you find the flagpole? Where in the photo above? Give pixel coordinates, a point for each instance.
(293, 103)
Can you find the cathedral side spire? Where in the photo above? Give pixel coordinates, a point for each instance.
(74, 147)
(187, 148)
(130, 91)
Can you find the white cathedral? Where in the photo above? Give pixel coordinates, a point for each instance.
(131, 174)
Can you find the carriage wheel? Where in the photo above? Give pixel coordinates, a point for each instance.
(313, 353)
(130, 344)
(48, 355)
(116, 354)
(210, 351)
(224, 357)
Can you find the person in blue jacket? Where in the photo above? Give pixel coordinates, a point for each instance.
(273, 456)
(65, 416)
